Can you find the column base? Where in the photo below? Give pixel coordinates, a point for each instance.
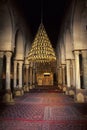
(8, 98)
(33, 86)
(30, 87)
(81, 95)
(59, 87)
(64, 89)
(18, 92)
(26, 89)
(71, 91)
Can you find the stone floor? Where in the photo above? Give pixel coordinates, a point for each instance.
(43, 110)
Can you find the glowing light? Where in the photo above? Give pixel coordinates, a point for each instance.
(41, 50)
(46, 73)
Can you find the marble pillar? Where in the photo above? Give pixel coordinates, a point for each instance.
(31, 75)
(63, 74)
(68, 72)
(19, 91)
(26, 78)
(34, 77)
(8, 70)
(15, 74)
(69, 69)
(8, 97)
(20, 74)
(60, 75)
(1, 68)
(84, 64)
(80, 93)
(77, 68)
(73, 69)
(71, 74)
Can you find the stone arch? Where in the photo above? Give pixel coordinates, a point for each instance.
(76, 29)
(68, 45)
(78, 23)
(59, 55)
(83, 19)
(62, 48)
(19, 45)
(27, 47)
(5, 28)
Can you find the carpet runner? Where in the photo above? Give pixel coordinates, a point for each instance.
(43, 111)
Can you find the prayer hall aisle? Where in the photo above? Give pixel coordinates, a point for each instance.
(43, 111)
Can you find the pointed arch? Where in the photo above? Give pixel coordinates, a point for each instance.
(68, 44)
(19, 45)
(5, 28)
(62, 48)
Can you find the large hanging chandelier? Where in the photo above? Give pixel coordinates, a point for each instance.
(41, 50)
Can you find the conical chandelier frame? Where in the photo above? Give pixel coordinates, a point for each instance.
(41, 50)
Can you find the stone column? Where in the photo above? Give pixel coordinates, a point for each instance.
(59, 80)
(73, 69)
(20, 74)
(80, 93)
(23, 75)
(71, 74)
(63, 74)
(8, 70)
(84, 64)
(68, 72)
(31, 75)
(60, 75)
(15, 74)
(1, 68)
(27, 77)
(19, 91)
(77, 67)
(8, 98)
(34, 75)
(57, 76)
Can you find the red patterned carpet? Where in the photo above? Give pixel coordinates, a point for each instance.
(43, 111)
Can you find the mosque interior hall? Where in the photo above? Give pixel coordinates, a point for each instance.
(43, 65)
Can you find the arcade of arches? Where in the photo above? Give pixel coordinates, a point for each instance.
(18, 74)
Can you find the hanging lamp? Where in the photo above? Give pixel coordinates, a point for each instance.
(41, 49)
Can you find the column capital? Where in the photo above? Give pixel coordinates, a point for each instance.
(77, 69)
(31, 64)
(26, 66)
(34, 65)
(63, 65)
(77, 52)
(8, 54)
(26, 61)
(15, 61)
(20, 62)
(1, 54)
(72, 60)
(60, 66)
(68, 61)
